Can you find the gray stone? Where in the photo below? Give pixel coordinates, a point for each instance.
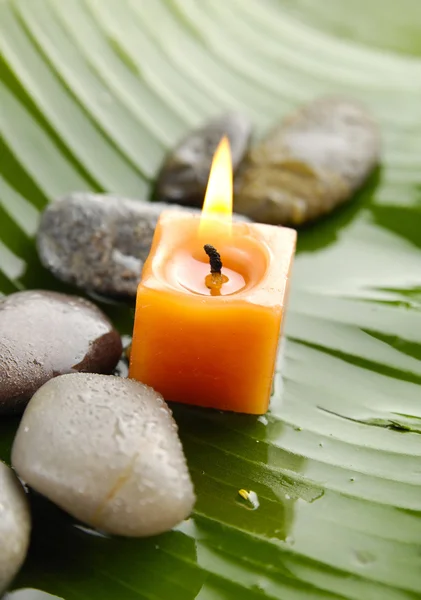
(107, 451)
(314, 161)
(184, 175)
(15, 526)
(45, 334)
(100, 242)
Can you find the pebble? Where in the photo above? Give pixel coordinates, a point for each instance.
(107, 451)
(184, 175)
(311, 163)
(45, 334)
(15, 526)
(99, 243)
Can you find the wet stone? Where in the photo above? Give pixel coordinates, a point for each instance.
(184, 175)
(99, 242)
(15, 526)
(107, 451)
(45, 334)
(311, 163)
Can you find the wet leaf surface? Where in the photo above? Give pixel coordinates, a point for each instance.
(94, 94)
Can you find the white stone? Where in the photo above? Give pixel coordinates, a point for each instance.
(106, 450)
(15, 526)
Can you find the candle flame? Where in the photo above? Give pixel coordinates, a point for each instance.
(217, 207)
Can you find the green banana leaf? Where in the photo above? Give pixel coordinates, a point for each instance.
(92, 94)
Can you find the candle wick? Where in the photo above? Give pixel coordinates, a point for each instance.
(215, 279)
(214, 259)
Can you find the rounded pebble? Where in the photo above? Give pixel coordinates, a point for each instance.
(15, 526)
(100, 243)
(184, 175)
(45, 334)
(107, 451)
(314, 161)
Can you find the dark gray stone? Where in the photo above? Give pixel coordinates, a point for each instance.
(314, 161)
(184, 175)
(15, 526)
(99, 242)
(45, 334)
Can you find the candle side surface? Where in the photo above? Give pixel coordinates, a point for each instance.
(216, 352)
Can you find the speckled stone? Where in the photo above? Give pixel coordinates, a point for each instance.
(99, 242)
(107, 451)
(45, 334)
(15, 526)
(311, 163)
(184, 174)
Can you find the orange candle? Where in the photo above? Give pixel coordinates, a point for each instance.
(205, 338)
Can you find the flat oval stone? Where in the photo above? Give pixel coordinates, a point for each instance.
(184, 175)
(98, 242)
(314, 161)
(15, 526)
(45, 334)
(107, 451)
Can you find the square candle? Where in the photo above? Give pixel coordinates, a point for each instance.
(212, 346)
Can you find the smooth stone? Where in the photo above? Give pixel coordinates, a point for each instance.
(107, 451)
(184, 175)
(98, 242)
(31, 594)
(45, 334)
(15, 526)
(311, 163)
